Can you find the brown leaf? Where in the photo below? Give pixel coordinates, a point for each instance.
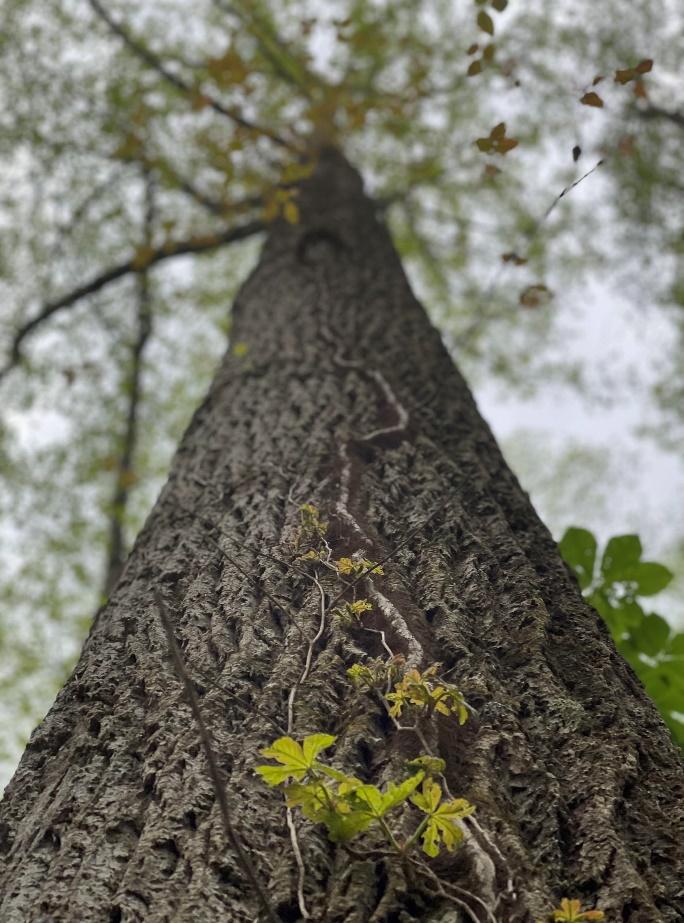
(592, 99)
(506, 144)
(490, 171)
(624, 76)
(473, 48)
(500, 5)
(485, 22)
(535, 295)
(597, 79)
(475, 68)
(643, 67)
(484, 144)
(499, 131)
(640, 90)
(513, 257)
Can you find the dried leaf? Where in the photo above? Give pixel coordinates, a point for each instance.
(624, 76)
(513, 257)
(643, 67)
(640, 90)
(473, 48)
(592, 99)
(485, 22)
(534, 296)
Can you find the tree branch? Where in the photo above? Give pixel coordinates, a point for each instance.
(116, 555)
(150, 58)
(656, 112)
(136, 264)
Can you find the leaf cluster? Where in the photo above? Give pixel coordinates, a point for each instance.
(425, 693)
(347, 806)
(614, 586)
(570, 911)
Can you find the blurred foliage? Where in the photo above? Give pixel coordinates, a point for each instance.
(615, 586)
(207, 113)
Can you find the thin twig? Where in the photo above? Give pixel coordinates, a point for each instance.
(301, 869)
(246, 862)
(309, 657)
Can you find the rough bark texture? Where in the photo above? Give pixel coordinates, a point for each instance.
(346, 399)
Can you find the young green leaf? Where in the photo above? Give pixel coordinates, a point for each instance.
(443, 818)
(578, 549)
(621, 554)
(295, 759)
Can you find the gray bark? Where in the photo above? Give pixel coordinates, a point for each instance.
(348, 400)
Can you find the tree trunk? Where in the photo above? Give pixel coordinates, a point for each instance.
(345, 398)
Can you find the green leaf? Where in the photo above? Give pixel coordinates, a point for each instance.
(650, 578)
(620, 617)
(500, 5)
(276, 775)
(621, 555)
(342, 827)
(314, 743)
(676, 645)
(428, 799)
(578, 549)
(433, 765)
(651, 636)
(443, 823)
(296, 759)
(398, 794)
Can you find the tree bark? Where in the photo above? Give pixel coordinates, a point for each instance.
(346, 399)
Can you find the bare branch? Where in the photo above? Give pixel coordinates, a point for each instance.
(124, 475)
(149, 57)
(136, 264)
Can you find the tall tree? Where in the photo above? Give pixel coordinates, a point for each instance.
(339, 457)
(138, 152)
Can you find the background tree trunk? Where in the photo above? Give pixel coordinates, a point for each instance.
(345, 398)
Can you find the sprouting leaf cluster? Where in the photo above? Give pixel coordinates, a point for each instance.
(357, 566)
(352, 612)
(426, 694)
(614, 587)
(570, 911)
(312, 529)
(347, 806)
(376, 673)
